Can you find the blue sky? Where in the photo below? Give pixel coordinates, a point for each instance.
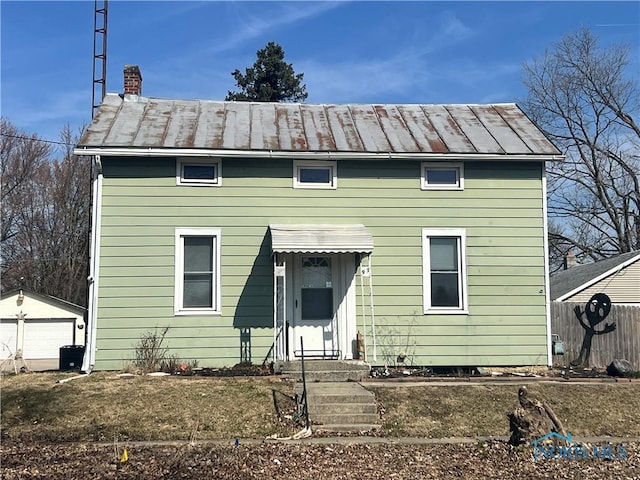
(349, 52)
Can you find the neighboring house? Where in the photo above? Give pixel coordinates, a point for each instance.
(33, 327)
(244, 227)
(618, 277)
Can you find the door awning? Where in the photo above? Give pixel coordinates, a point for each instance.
(317, 238)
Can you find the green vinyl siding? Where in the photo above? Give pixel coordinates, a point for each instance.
(500, 208)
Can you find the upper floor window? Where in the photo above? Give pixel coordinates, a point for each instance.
(442, 176)
(198, 171)
(314, 174)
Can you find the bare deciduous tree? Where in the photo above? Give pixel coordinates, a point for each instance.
(45, 215)
(21, 156)
(559, 246)
(583, 99)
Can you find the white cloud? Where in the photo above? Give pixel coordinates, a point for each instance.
(405, 75)
(411, 69)
(498, 97)
(253, 25)
(175, 75)
(48, 115)
(451, 31)
(423, 71)
(364, 81)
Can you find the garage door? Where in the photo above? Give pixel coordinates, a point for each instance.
(44, 337)
(8, 337)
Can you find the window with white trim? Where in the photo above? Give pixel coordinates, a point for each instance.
(308, 174)
(197, 271)
(444, 270)
(442, 176)
(198, 172)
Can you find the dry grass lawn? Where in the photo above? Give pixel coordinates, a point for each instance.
(104, 407)
(480, 410)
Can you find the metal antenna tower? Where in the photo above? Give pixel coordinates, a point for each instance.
(99, 54)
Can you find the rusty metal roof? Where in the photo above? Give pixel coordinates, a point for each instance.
(127, 122)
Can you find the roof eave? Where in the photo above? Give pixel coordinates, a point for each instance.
(301, 155)
(69, 305)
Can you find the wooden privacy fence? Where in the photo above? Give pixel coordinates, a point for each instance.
(623, 342)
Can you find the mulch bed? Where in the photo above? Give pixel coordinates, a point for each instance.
(493, 460)
(472, 373)
(435, 373)
(239, 370)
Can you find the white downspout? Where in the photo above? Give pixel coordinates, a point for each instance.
(89, 359)
(547, 289)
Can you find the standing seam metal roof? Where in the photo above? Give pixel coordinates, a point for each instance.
(140, 122)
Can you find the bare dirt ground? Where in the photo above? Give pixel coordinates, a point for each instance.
(490, 460)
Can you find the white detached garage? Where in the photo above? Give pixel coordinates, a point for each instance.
(33, 328)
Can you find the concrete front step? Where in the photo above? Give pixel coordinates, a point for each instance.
(338, 427)
(341, 406)
(339, 393)
(329, 376)
(325, 370)
(313, 364)
(344, 408)
(343, 419)
(341, 399)
(336, 392)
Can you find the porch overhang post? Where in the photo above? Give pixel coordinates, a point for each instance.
(366, 276)
(362, 304)
(279, 308)
(274, 356)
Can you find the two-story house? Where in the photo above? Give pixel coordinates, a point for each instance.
(246, 227)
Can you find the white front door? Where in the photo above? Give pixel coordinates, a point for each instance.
(317, 297)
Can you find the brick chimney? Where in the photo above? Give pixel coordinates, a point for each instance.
(132, 80)
(570, 260)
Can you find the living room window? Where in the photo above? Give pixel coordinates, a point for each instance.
(444, 271)
(197, 271)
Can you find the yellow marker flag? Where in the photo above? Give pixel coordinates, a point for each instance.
(125, 456)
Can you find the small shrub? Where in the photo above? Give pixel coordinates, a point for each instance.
(170, 364)
(149, 351)
(152, 356)
(174, 365)
(396, 346)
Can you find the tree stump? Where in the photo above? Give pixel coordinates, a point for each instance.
(532, 419)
